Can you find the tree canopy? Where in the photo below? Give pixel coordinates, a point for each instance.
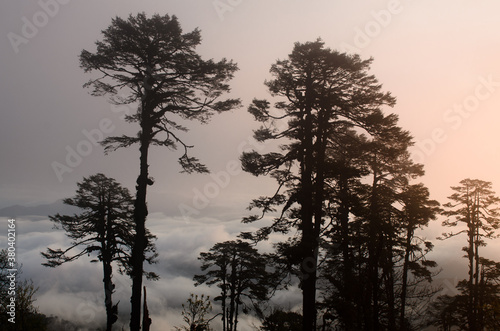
(105, 228)
(152, 64)
(329, 101)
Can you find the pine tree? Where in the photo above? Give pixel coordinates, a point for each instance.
(152, 64)
(323, 93)
(240, 272)
(103, 227)
(474, 205)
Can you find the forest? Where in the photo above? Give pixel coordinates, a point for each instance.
(342, 225)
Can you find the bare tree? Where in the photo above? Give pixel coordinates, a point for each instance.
(194, 313)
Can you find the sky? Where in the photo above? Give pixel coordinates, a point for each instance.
(439, 59)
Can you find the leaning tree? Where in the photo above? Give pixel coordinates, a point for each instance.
(152, 64)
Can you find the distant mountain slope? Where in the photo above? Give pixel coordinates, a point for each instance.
(40, 210)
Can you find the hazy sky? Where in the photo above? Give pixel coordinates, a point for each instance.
(440, 59)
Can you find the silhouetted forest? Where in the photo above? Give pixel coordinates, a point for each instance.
(348, 202)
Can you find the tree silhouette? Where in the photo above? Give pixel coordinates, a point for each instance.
(390, 169)
(194, 314)
(240, 272)
(323, 93)
(416, 212)
(370, 216)
(448, 312)
(475, 205)
(150, 63)
(280, 320)
(104, 227)
(27, 316)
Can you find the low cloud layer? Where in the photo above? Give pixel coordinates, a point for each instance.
(74, 291)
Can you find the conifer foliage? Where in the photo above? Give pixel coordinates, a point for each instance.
(240, 272)
(148, 62)
(342, 168)
(103, 228)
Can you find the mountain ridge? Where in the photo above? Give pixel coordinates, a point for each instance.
(39, 210)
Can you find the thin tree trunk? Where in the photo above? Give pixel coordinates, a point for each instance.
(232, 294)
(223, 303)
(374, 243)
(481, 300)
(470, 303)
(389, 287)
(236, 312)
(376, 280)
(476, 257)
(347, 288)
(470, 256)
(108, 292)
(404, 285)
(106, 251)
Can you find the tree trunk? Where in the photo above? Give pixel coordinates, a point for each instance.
(108, 292)
(475, 220)
(374, 248)
(347, 272)
(404, 285)
(317, 203)
(223, 303)
(106, 251)
(308, 242)
(481, 300)
(470, 299)
(109, 287)
(389, 286)
(146, 320)
(140, 214)
(233, 293)
(236, 312)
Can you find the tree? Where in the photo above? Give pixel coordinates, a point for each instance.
(343, 237)
(27, 316)
(280, 320)
(417, 210)
(448, 312)
(240, 272)
(475, 205)
(4, 279)
(194, 314)
(156, 68)
(390, 170)
(372, 213)
(489, 295)
(104, 227)
(323, 93)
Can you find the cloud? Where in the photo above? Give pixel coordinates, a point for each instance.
(74, 291)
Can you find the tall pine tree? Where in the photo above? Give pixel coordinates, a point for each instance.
(321, 92)
(152, 64)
